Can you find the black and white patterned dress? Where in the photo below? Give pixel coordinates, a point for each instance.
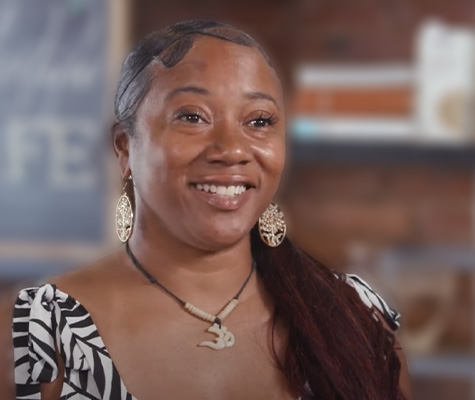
(46, 319)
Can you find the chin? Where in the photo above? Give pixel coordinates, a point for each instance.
(222, 237)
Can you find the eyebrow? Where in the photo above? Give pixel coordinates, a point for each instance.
(260, 95)
(206, 92)
(187, 89)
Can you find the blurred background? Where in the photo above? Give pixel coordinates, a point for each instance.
(381, 126)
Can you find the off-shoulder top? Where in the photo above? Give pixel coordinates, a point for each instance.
(46, 319)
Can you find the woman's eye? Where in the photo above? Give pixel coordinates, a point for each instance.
(261, 122)
(192, 118)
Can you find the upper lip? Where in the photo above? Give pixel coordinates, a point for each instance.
(225, 180)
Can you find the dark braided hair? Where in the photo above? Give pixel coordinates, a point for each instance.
(335, 348)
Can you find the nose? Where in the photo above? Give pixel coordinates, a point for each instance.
(228, 146)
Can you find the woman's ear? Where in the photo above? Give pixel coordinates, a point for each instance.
(121, 149)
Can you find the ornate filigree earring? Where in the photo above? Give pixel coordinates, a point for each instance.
(124, 214)
(272, 227)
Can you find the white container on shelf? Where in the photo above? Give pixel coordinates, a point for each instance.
(445, 71)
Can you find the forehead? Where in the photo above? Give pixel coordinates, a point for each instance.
(219, 66)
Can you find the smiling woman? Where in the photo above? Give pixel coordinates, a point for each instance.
(207, 299)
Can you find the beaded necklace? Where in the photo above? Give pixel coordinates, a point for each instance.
(224, 338)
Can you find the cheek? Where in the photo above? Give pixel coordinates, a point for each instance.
(271, 157)
(165, 161)
(180, 153)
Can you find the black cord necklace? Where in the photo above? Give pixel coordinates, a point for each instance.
(224, 337)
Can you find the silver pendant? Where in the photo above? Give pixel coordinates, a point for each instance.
(224, 338)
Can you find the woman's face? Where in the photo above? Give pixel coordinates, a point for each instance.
(209, 144)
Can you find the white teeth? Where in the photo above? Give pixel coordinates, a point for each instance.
(221, 190)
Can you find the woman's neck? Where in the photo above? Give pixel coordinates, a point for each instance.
(204, 278)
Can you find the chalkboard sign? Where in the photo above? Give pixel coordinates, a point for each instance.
(53, 120)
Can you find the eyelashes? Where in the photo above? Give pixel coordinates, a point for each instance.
(192, 117)
(264, 121)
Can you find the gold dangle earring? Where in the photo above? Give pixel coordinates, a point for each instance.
(272, 227)
(124, 214)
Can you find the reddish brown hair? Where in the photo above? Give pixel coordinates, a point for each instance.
(334, 342)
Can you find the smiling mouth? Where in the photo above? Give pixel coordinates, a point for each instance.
(221, 190)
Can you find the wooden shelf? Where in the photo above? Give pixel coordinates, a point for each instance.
(387, 153)
(447, 366)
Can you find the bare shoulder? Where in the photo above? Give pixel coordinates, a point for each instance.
(97, 282)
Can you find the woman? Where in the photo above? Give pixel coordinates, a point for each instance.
(200, 140)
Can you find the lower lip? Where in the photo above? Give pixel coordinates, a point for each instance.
(225, 203)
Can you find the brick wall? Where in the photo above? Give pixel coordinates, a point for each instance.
(363, 30)
(332, 207)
